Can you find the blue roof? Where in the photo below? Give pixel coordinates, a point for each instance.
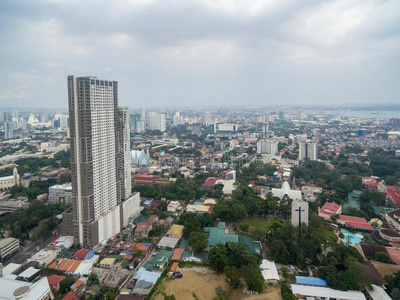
(198, 203)
(310, 281)
(142, 274)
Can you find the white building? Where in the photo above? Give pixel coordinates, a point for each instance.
(8, 182)
(316, 292)
(227, 127)
(286, 192)
(267, 146)
(8, 246)
(299, 212)
(60, 193)
(156, 121)
(308, 151)
(139, 158)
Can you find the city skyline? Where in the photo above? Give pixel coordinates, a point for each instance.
(202, 52)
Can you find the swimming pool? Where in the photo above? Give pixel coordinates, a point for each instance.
(352, 238)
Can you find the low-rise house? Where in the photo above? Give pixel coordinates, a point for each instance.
(159, 261)
(311, 193)
(269, 270)
(174, 206)
(175, 231)
(108, 262)
(54, 281)
(83, 254)
(329, 209)
(167, 242)
(144, 281)
(199, 209)
(369, 183)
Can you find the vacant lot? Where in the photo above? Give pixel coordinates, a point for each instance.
(196, 282)
(200, 283)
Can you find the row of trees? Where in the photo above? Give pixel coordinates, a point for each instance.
(21, 221)
(237, 264)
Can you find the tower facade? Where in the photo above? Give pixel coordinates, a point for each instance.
(308, 150)
(100, 160)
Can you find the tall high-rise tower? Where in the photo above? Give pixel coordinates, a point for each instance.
(123, 151)
(308, 150)
(100, 159)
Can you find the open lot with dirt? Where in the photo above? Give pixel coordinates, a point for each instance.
(200, 283)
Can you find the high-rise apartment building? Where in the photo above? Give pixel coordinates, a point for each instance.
(267, 146)
(156, 121)
(100, 154)
(123, 152)
(208, 118)
(308, 151)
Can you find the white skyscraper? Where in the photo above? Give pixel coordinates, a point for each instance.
(267, 146)
(176, 119)
(308, 151)
(99, 155)
(156, 121)
(208, 118)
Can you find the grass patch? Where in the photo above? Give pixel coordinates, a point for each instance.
(259, 223)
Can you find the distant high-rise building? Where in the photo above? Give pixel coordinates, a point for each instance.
(308, 151)
(208, 118)
(100, 154)
(143, 114)
(265, 131)
(15, 114)
(196, 128)
(300, 138)
(299, 212)
(156, 121)
(300, 114)
(227, 127)
(176, 119)
(9, 129)
(64, 120)
(267, 146)
(281, 115)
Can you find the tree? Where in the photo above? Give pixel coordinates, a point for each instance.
(383, 257)
(220, 294)
(65, 284)
(253, 278)
(65, 178)
(198, 241)
(218, 258)
(232, 277)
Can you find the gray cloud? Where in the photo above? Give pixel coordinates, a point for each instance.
(202, 52)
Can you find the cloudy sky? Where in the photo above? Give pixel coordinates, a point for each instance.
(202, 52)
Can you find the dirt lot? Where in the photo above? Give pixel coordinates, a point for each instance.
(200, 283)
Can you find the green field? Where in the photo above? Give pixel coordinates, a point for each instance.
(257, 222)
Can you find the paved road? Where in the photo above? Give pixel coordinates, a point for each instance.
(27, 252)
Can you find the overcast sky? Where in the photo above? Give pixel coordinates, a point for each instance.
(202, 52)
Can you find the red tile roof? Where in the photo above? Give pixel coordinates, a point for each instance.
(80, 254)
(69, 296)
(344, 218)
(54, 280)
(331, 207)
(178, 254)
(393, 192)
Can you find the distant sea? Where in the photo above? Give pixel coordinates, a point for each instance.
(362, 113)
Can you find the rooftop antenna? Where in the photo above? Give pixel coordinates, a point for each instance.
(294, 183)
